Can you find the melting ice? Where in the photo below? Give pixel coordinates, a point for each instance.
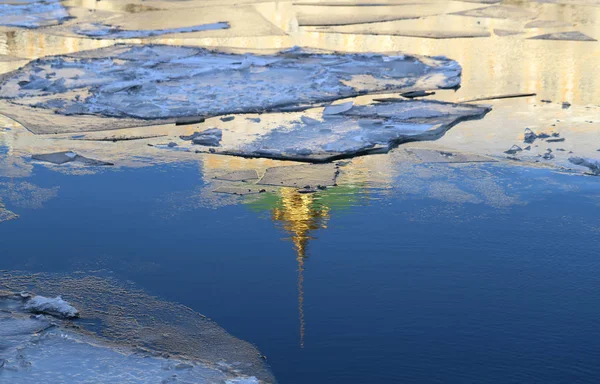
(36, 349)
(164, 82)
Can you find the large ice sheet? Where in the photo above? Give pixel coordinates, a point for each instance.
(359, 130)
(48, 349)
(165, 82)
(32, 13)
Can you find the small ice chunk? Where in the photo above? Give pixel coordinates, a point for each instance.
(530, 136)
(211, 137)
(335, 109)
(54, 307)
(566, 36)
(513, 150)
(593, 165)
(60, 158)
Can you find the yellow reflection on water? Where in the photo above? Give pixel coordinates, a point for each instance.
(299, 215)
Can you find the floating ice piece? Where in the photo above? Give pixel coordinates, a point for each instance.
(211, 137)
(99, 31)
(67, 157)
(593, 165)
(359, 130)
(569, 36)
(32, 13)
(55, 307)
(166, 82)
(529, 136)
(336, 109)
(415, 94)
(6, 215)
(513, 150)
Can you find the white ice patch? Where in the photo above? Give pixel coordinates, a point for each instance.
(39, 349)
(164, 82)
(99, 31)
(51, 306)
(32, 13)
(359, 130)
(58, 356)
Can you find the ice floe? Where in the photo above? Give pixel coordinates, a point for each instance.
(32, 13)
(50, 349)
(100, 31)
(51, 306)
(169, 83)
(345, 130)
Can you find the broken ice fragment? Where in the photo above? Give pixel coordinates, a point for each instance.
(335, 109)
(99, 31)
(211, 137)
(548, 155)
(593, 165)
(530, 136)
(67, 157)
(513, 150)
(147, 82)
(54, 307)
(412, 95)
(569, 36)
(359, 130)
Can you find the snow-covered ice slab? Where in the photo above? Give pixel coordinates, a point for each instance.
(32, 13)
(358, 130)
(46, 349)
(163, 83)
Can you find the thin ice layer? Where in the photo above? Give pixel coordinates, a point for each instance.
(163, 82)
(99, 31)
(359, 130)
(41, 349)
(32, 13)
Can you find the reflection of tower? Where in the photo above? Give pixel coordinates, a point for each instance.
(300, 214)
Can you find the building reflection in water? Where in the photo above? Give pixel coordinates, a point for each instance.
(300, 215)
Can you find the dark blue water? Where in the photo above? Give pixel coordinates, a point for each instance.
(395, 287)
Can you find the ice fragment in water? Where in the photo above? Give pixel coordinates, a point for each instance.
(335, 109)
(513, 150)
(593, 165)
(359, 130)
(67, 157)
(55, 307)
(147, 82)
(99, 31)
(210, 137)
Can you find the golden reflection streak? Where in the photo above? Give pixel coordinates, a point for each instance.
(300, 215)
